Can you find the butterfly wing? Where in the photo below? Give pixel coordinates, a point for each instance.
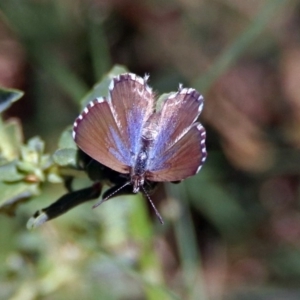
(183, 159)
(179, 148)
(132, 103)
(109, 130)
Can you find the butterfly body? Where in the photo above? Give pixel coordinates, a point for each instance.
(138, 172)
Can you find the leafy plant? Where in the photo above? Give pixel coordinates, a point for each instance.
(23, 167)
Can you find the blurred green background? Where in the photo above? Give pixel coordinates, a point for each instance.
(232, 232)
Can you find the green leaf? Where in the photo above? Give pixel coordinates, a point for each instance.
(36, 144)
(14, 132)
(32, 152)
(9, 172)
(66, 140)
(26, 167)
(29, 157)
(54, 178)
(161, 100)
(14, 194)
(11, 139)
(7, 97)
(32, 169)
(100, 89)
(65, 157)
(46, 162)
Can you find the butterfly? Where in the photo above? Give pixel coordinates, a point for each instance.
(126, 132)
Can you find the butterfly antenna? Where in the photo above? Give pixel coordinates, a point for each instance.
(110, 195)
(156, 211)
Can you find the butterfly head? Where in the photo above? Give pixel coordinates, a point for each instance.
(137, 182)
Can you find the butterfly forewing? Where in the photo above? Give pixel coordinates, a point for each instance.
(178, 136)
(132, 103)
(110, 130)
(97, 134)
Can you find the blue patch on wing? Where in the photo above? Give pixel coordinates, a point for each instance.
(135, 126)
(120, 151)
(159, 155)
(158, 159)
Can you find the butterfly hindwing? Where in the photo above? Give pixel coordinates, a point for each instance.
(183, 159)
